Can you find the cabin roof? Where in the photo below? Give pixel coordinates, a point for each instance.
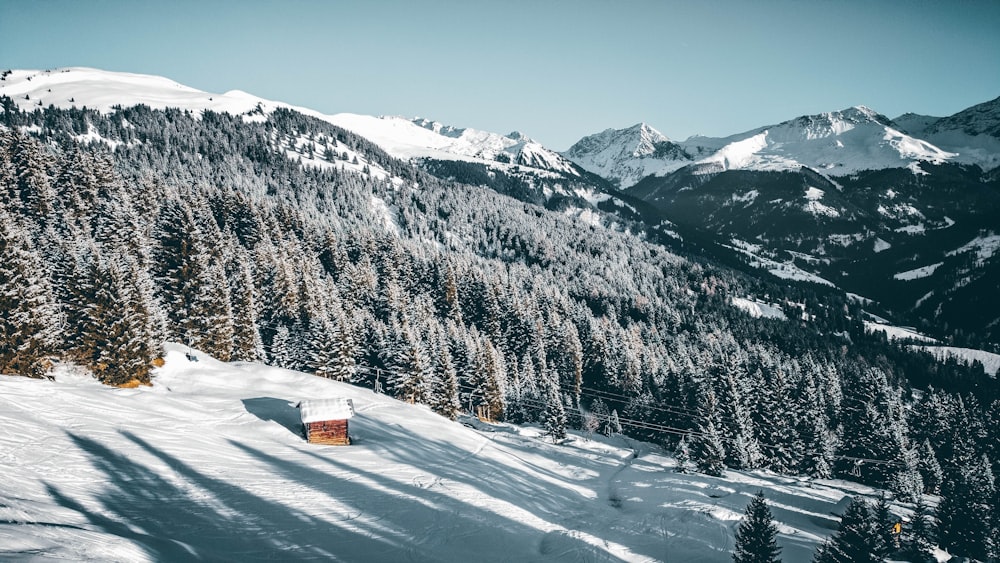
(315, 410)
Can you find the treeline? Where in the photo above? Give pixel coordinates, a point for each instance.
(203, 230)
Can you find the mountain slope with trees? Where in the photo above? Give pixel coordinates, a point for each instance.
(294, 242)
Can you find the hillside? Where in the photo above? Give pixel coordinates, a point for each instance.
(275, 237)
(208, 464)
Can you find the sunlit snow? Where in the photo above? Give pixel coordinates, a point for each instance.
(209, 464)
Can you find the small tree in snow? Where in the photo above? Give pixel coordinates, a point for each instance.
(755, 541)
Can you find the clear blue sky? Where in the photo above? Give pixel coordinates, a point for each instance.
(556, 69)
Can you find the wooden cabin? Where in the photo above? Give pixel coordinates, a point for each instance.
(325, 420)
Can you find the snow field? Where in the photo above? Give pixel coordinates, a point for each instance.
(758, 309)
(208, 463)
(990, 361)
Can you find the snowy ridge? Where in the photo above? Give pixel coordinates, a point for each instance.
(834, 143)
(400, 137)
(896, 332)
(208, 464)
(420, 138)
(918, 273)
(990, 361)
(628, 155)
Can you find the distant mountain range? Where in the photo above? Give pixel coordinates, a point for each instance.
(901, 211)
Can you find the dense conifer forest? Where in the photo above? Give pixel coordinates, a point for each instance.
(286, 240)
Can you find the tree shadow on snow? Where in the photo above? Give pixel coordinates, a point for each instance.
(439, 524)
(184, 514)
(275, 410)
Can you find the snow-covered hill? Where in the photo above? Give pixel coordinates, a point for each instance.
(400, 137)
(208, 464)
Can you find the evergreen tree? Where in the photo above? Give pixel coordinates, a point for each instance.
(444, 394)
(345, 349)
(707, 450)
(322, 347)
(682, 455)
(555, 415)
(31, 319)
(965, 516)
(410, 381)
(884, 521)
(115, 334)
(930, 470)
(856, 539)
(919, 544)
(599, 410)
(281, 349)
(248, 344)
(755, 538)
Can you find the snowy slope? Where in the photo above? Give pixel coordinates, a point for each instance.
(758, 309)
(400, 137)
(420, 138)
(102, 90)
(628, 155)
(973, 133)
(208, 464)
(835, 143)
(990, 361)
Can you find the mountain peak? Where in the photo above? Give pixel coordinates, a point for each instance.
(980, 119)
(627, 155)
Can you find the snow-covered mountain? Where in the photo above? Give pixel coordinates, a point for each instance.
(513, 164)
(973, 133)
(400, 137)
(626, 156)
(835, 143)
(847, 198)
(209, 464)
(422, 138)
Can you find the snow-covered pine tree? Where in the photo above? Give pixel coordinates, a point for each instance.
(248, 345)
(884, 521)
(115, 335)
(412, 367)
(208, 323)
(707, 450)
(599, 410)
(281, 349)
(965, 515)
(489, 379)
(755, 537)
(873, 429)
(554, 417)
(818, 440)
(856, 539)
(530, 407)
(444, 397)
(31, 163)
(682, 455)
(918, 546)
(345, 347)
(322, 348)
(739, 437)
(31, 321)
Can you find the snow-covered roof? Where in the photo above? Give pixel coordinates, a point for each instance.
(315, 410)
